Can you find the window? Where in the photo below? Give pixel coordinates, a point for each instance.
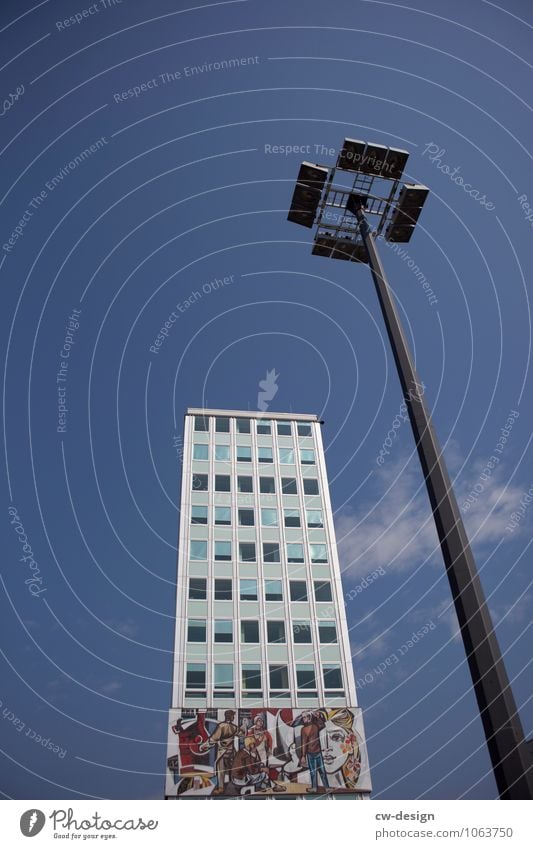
(195, 679)
(314, 519)
(284, 429)
(307, 456)
(332, 677)
(200, 482)
(271, 552)
(267, 485)
(275, 631)
(197, 589)
(319, 553)
(304, 429)
(223, 589)
(222, 515)
(244, 454)
(305, 676)
(263, 426)
(273, 590)
(222, 483)
(247, 552)
(244, 484)
(279, 678)
(269, 517)
(199, 514)
(251, 678)
(243, 425)
(201, 423)
(322, 591)
(327, 631)
(222, 452)
(198, 549)
(301, 632)
(246, 518)
(222, 424)
(223, 676)
(310, 486)
(286, 455)
(248, 589)
(298, 590)
(295, 552)
(264, 455)
(200, 452)
(291, 518)
(288, 486)
(223, 631)
(196, 631)
(222, 550)
(249, 631)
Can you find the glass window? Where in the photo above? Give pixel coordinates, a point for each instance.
(301, 632)
(223, 589)
(247, 552)
(284, 429)
(310, 486)
(243, 425)
(251, 676)
(288, 486)
(275, 631)
(249, 631)
(200, 452)
(246, 518)
(200, 482)
(198, 549)
(222, 515)
(196, 632)
(197, 589)
(332, 677)
(279, 677)
(267, 485)
(295, 552)
(199, 514)
(314, 519)
(263, 426)
(273, 590)
(269, 517)
(245, 484)
(291, 518)
(305, 676)
(248, 589)
(195, 676)
(222, 550)
(307, 456)
(222, 424)
(244, 453)
(264, 455)
(298, 590)
(224, 676)
(319, 553)
(222, 483)
(327, 631)
(201, 423)
(304, 429)
(271, 552)
(222, 452)
(223, 631)
(286, 455)
(322, 591)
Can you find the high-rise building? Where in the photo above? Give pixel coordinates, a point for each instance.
(263, 697)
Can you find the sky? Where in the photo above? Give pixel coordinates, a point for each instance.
(139, 178)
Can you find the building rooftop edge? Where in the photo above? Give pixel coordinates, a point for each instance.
(252, 414)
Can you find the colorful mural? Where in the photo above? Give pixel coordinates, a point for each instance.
(227, 752)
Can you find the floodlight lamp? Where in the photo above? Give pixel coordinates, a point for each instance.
(351, 155)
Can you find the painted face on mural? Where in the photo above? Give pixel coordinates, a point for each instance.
(337, 745)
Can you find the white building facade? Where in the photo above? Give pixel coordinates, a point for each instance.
(263, 698)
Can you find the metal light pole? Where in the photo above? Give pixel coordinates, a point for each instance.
(344, 232)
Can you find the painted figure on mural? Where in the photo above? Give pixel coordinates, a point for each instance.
(223, 738)
(309, 750)
(249, 770)
(340, 749)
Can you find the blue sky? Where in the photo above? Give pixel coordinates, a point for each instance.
(181, 189)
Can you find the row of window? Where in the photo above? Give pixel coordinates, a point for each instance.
(251, 680)
(243, 454)
(246, 517)
(249, 631)
(263, 426)
(247, 551)
(248, 590)
(245, 483)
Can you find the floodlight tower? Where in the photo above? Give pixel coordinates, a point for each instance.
(365, 185)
